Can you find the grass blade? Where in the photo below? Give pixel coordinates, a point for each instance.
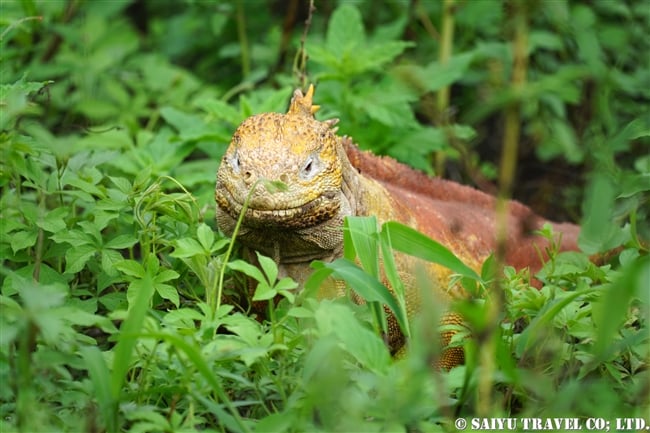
(368, 287)
(100, 378)
(131, 326)
(414, 243)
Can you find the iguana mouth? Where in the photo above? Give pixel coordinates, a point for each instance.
(314, 212)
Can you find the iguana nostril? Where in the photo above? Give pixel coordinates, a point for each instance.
(248, 177)
(284, 178)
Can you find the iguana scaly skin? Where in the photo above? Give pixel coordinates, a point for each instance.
(328, 178)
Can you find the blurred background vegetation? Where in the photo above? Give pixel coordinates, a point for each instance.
(115, 115)
(407, 79)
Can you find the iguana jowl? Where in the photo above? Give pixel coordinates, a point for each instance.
(328, 178)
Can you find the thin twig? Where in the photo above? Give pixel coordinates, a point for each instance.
(425, 21)
(300, 62)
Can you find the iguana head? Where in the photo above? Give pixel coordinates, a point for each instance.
(294, 149)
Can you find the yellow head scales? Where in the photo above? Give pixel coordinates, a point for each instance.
(293, 148)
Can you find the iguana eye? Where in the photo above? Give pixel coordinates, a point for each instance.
(310, 167)
(234, 162)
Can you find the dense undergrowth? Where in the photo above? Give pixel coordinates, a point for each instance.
(119, 308)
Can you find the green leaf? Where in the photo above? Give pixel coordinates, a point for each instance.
(301, 313)
(168, 292)
(376, 56)
(361, 234)
(320, 55)
(545, 317)
(193, 354)
(74, 237)
(291, 297)
(546, 40)
(221, 110)
(368, 287)
(489, 269)
(100, 378)
(76, 258)
(245, 327)
(132, 325)
(205, 236)
(54, 221)
(286, 283)
(611, 309)
(359, 341)
(131, 268)
(634, 184)
(93, 231)
(183, 317)
(187, 247)
(264, 292)
(598, 233)
(345, 31)
(121, 241)
(441, 75)
(23, 239)
(277, 422)
(189, 126)
(318, 276)
(22, 86)
(414, 243)
(109, 259)
(75, 316)
(561, 141)
(166, 275)
(85, 185)
(437, 75)
(123, 184)
(248, 269)
(584, 21)
(14, 99)
(45, 307)
(392, 274)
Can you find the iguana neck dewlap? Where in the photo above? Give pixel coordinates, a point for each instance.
(326, 178)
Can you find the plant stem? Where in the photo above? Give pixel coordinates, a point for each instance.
(215, 301)
(25, 399)
(243, 40)
(38, 253)
(16, 23)
(519, 21)
(444, 54)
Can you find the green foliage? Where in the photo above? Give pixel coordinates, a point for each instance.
(122, 309)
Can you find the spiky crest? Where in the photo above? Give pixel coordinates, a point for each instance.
(302, 105)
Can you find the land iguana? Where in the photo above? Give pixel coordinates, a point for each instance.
(328, 178)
